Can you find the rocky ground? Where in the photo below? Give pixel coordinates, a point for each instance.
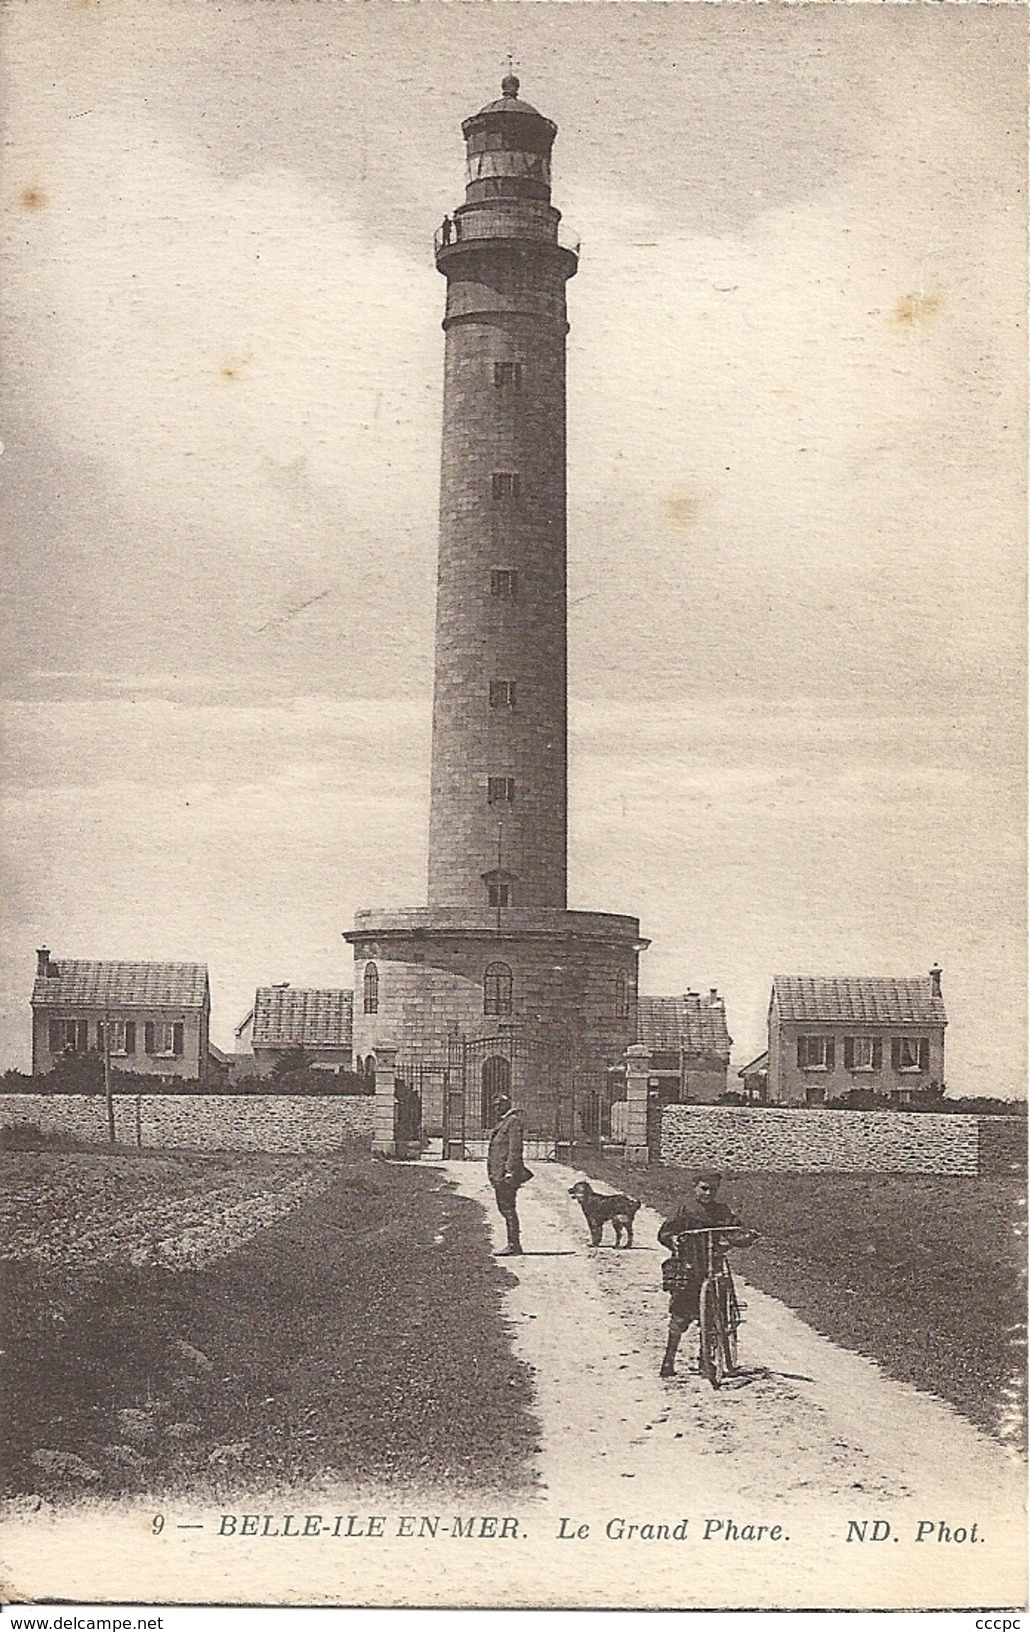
(181, 1322)
(82, 1209)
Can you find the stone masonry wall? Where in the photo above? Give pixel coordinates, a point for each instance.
(479, 637)
(813, 1141)
(313, 1124)
(430, 985)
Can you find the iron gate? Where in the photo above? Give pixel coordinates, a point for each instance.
(563, 1106)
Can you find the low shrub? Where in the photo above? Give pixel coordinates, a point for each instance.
(306, 1081)
(84, 1074)
(924, 1100)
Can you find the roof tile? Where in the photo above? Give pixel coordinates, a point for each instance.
(293, 1017)
(93, 984)
(860, 999)
(691, 1023)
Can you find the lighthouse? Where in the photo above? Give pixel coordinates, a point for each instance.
(498, 812)
(495, 983)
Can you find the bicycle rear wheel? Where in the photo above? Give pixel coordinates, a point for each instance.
(713, 1334)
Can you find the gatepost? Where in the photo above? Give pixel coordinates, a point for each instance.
(638, 1067)
(384, 1111)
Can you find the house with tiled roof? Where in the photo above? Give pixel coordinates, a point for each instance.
(689, 1044)
(151, 1018)
(829, 1036)
(317, 1022)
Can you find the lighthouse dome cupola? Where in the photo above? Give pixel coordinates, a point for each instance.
(508, 149)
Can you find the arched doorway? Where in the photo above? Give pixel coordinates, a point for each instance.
(496, 1079)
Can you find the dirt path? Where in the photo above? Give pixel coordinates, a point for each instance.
(805, 1425)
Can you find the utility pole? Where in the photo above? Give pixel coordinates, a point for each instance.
(107, 1078)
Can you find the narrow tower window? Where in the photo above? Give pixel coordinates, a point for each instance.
(497, 985)
(505, 486)
(500, 888)
(500, 790)
(508, 376)
(504, 584)
(625, 992)
(371, 989)
(502, 694)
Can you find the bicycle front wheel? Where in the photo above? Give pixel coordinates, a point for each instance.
(713, 1334)
(731, 1320)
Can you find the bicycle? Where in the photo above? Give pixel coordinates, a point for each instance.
(719, 1313)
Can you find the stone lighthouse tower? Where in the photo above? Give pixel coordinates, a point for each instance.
(497, 831)
(496, 983)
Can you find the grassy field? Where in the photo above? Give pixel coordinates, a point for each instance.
(925, 1275)
(355, 1338)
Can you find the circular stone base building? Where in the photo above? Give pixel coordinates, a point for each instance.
(541, 1005)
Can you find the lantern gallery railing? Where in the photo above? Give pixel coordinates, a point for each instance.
(457, 231)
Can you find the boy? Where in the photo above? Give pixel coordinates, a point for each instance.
(683, 1273)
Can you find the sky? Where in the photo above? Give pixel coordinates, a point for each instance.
(796, 484)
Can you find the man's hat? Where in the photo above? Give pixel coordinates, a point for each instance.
(501, 1099)
(708, 1178)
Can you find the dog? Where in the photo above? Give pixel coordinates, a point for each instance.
(618, 1211)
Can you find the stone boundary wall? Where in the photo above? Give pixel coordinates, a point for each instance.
(773, 1140)
(307, 1124)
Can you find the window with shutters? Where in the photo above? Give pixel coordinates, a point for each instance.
(815, 1053)
(505, 486)
(371, 989)
(508, 376)
(497, 989)
(118, 1035)
(69, 1036)
(500, 790)
(502, 694)
(911, 1054)
(164, 1038)
(863, 1054)
(504, 584)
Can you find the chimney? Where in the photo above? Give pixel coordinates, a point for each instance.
(42, 962)
(935, 980)
(714, 1000)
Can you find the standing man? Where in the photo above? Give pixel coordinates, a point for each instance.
(683, 1273)
(506, 1170)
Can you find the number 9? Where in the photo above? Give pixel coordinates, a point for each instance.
(158, 1524)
